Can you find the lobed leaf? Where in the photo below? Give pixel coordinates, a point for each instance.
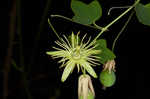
(143, 13)
(86, 13)
(106, 54)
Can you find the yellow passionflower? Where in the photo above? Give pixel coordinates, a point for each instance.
(74, 52)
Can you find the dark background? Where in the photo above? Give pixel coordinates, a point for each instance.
(43, 73)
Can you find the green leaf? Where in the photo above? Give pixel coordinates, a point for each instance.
(86, 13)
(106, 54)
(147, 5)
(143, 13)
(102, 43)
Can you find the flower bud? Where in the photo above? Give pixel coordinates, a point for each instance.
(85, 88)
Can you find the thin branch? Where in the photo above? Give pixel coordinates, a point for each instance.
(7, 61)
(22, 64)
(50, 24)
(115, 20)
(37, 37)
(66, 18)
(112, 8)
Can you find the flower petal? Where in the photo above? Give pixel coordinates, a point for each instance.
(85, 87)
(68, 69)
(91, 88)
(89, 69)
(58, 53)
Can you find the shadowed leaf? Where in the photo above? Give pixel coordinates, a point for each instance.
(143, 13)
(86, 13)
(106, 54)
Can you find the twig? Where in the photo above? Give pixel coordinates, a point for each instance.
(50, 24)
(112, 8)
(66, 18)
(19, 30)
(37, 37)
(7, 61)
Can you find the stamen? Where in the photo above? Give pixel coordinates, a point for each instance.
(91, 48)
(67, 40)
(77, 38)
(65, 44)
(84, 45)
(57, 48)
(83, 39)
(95, 57)
(62, 45)
(62, 60)
(62, 65)
(72, 38)
(92, 63)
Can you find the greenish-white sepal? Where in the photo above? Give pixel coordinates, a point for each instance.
(68, 69)
(52, 53)
(57, 53)
(89, 69)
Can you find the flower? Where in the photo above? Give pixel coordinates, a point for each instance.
(109, 65)
(85, 87)
(74, 52)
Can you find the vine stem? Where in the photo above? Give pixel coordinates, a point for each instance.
(66, 18)
(123, 28)
(50, 24)
(123, 14)
(112, 8)
(111, 23)
(97, 26)
(22, 63)
(37, 36)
